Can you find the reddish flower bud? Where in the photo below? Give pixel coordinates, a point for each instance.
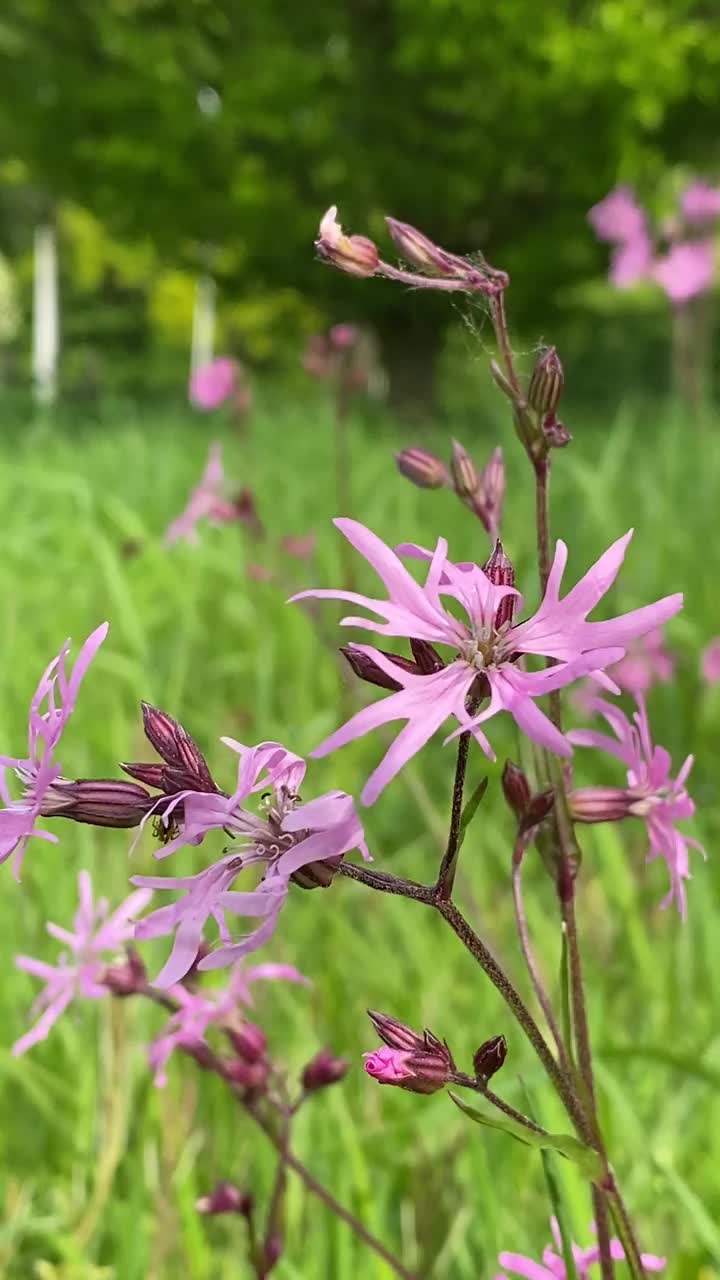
(489, 1057)
(465, 477)
(600, 804)
(516, 789)
(251, 1076)
(322, 1070)
(176, 747)
(128, 978)
(365, 669)
(490, 493)
(538, 809)
(422, 468)
(356, 255)
(248, 1041)
(499, 569)
(317, 875)
(418, 1072)
(395, 1034)
(101, 802)
(421, 252)
(226, 1198)
(271, 1251)
(546, 383)
(555, 433)
(427, 658)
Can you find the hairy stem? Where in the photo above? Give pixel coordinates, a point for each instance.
(479, 1086)
(448, 866)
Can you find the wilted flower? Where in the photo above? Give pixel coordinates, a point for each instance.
(196, 1011)
(206, 502)
(700, 202)
(553, 1267)
(651, 794)
(80, 970)
(485, 662)
(212, 383)
(618, 217)
(285, 839)
(686, 270)
(355, 254)
(710, 661)
(57, 692)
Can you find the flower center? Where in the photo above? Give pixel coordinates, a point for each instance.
(479, 649)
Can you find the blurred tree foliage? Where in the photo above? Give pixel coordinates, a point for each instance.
(217, 132)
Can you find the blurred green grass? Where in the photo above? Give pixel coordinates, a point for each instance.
(100, 1168)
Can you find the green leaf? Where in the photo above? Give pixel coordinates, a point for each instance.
(587, 1160)
(471, 807)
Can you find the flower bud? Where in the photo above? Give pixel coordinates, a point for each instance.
(271, 1252)
(356, 255)
(395, 1034)
(365, 669)
(101, 802)
(546, 383)
(421, 252)
(516, 789)
(226, 1198)
(600, 804)
(538, 809)
(251, 1076)
(127, 978)
(427, 658)
(499, 569)
(462, 468)
(489, 1057)
(490, 493)
(418, 1072)
(317, 875)
(555, 433)
(248, 1041)
(322, 1070)
(422, 468)
(176, 747)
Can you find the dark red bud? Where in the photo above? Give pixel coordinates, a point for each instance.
(317, 875)
(365, 669)
(128, 978)
(322, 1070)
(427, 658)
(248, 1041)
(499, 569)
(555, 432)
(489, 1057)
(516, 789)
(252, 1076)
(395, 1034)
(100, 802)
(175, 745)
(226, 1198)
(538, 809)
(272, 1251)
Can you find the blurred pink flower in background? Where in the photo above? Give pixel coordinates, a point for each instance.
(95, 938)
(647, 660)
(686, 270)
(618, 217)
(186, 1027)
(552, 1266)
(302, 546)
(213, 383)
(631, 261)
(700, 202)
(38, 771)
(206, 502)
(710, 661)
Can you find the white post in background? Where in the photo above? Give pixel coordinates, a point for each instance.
(203, 322)
(46, 318)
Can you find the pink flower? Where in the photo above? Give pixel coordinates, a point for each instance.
(288, 839)
(486, 646)
(96, 937)
(213, 383)
(38, 771)
(187, 1026)
(631, 261)
(618, 217)
(553, 1267)
(420, 1072)
(700, 202)
(686, 270)
(388, 1066)
(710, 661)
(646, 661)
(651, 794)
(206, 502)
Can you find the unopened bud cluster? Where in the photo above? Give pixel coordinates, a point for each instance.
(529, 808)
(420, 1062)
(483, 490)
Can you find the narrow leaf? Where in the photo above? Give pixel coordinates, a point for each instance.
(471, 807)
(587, 1160)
